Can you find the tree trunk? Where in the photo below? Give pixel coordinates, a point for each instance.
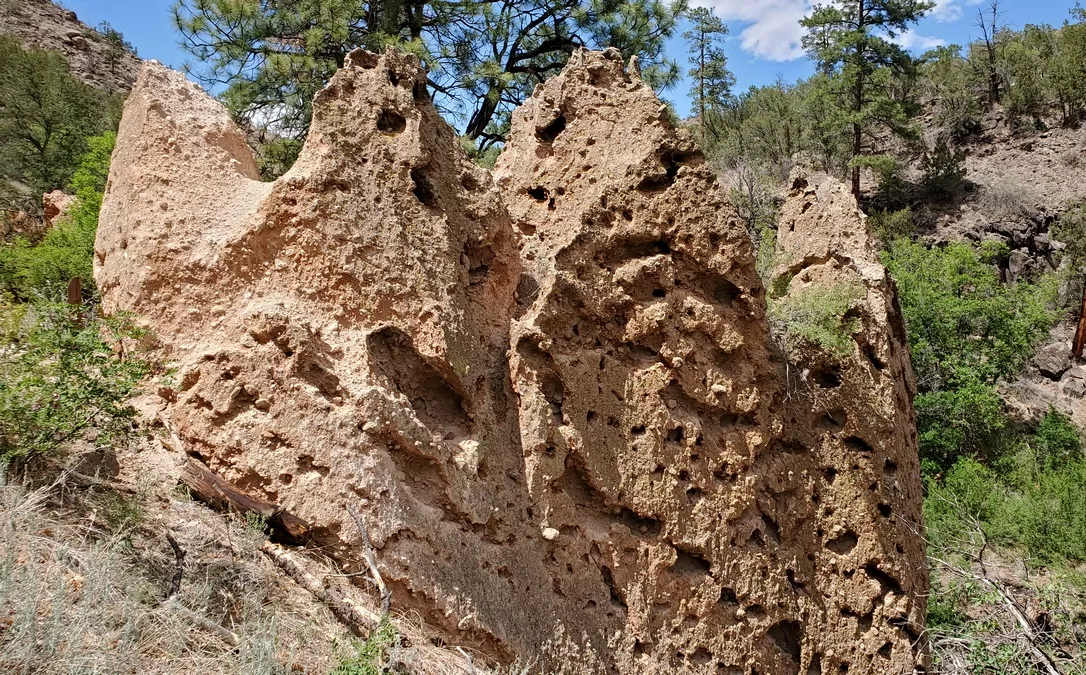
(480, 120)
(858, 102)
(1080, 334)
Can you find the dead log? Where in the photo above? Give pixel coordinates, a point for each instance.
(1080, 334)
(360, 619)
(221, 495)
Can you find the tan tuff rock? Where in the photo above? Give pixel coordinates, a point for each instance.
(553, 397)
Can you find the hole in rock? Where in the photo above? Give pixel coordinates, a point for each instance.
(437, 403)
(390, 122)
(419, 92)
(827, 378)
(834, 420)
(788, 636)
(423, 189)
(843, 544)
(719, 290)
(885, 510)
(887, 583)
(728, 597)
(538, 193)
(550, 132)
(857, 444)
(555, 393)
(690, 564)
(609, 580)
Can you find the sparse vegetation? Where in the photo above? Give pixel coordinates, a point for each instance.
(818, 315)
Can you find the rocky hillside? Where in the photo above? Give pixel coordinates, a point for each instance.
(92, 59)
(552, 400)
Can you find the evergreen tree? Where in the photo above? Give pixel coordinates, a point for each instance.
(484, 56)
(852, 42)
(713, 81)
(46, 116)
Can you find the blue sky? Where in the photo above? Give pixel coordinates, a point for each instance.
(764, 40)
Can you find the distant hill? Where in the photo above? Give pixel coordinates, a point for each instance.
(91, 57)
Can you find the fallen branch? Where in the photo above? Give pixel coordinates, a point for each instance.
(360, 619)
(179, 556)
(371, 562)
(222, 495)
(225, 634)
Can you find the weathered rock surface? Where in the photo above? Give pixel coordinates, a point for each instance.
(46, 25)
(553, 397)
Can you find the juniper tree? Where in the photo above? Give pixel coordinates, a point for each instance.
(852, 42)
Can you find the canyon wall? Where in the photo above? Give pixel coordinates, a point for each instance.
(552, 394)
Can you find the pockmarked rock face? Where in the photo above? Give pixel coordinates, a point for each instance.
(552, 396)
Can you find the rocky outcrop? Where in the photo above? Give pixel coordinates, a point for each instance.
(45, 25)
(552, 396)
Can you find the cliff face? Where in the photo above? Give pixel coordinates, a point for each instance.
(45, 25)
(552, 396)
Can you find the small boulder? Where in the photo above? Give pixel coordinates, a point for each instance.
(1053, 360)
(56, 205)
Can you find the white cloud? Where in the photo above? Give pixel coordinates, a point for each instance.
(773, 32)
(947, 11)
(912, 41)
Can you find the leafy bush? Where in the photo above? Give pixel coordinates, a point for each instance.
(29, 271)
(967, 331)
(963, 322)
(818, 316)
(888, 172)
(59, 376)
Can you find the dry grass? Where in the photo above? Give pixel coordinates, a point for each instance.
(1006, 200)
(82, 590)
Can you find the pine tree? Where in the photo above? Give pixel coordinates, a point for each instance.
(484, 56)
(713, 81)
(852, 42)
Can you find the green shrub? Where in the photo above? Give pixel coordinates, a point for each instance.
(968, 332)
(31, 271)
(963, 322)
(817, 316)
(888, 172)
(369, 656)
(1057, 441)
(58, 378)
(890, 225)
(965, 417)
(1033, 498)
(943, 170)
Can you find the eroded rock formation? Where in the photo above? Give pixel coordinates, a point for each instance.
(553, 396)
